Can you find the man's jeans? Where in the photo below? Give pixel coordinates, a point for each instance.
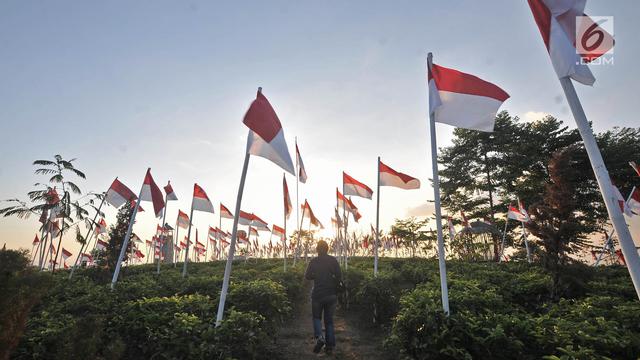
(327, 305)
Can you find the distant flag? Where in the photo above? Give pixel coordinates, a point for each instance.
(390, 177)
(452, 229)
(266, 136)
(635, 167)
(183, 220)
(302, 173)
(101, 226)
(44, 216)
(355, 188)
(118, 194)
(201, 201)
(515, 214)
(523, 210)
(213, 233)
(253, 231)
(225, 213)
(634, 201)
(151, 192)
(66, 254)
(558, 22)
(463, 100)
(278, 231)
(465, 222)
(169, 191)
(308, 213)
(54, 228)
(86, 258)
(36, 240)
(245, 218)
(259, 223)
(288, 208)
(101, 245)
(621, 202)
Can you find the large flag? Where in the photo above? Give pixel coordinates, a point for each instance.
(118, 194)
(278, 231)
(463, 100)
(302, 173)
(225, 213)
(266, 136)
(515, 214)
(355, 187)
(201, 201)
(151, 192)
(559, 22)
(390, 177)
(288, 208)
(169, 191)
(183, 220)
(634, 201)
(635, 167)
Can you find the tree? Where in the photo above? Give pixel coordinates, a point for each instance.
(556, 220)
(117, 233)
(409, 233)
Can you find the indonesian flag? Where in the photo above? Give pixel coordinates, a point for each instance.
(308, 213)
(159, 230)
(101, 245)
(201, 200)
(86, 258)
(225, 213)
(66, 254)
(266, 136)
(151, 192)
(635, 167)
(452, 229)
(558, 22)
(390, 177)
(621, 202)
(118, 194)
(139, 254)
(463, 100)
(354, 187)
(36, 240)
(515, 214)
(259, 223)
(523, 210)
(242, 237)
(288, 208)
(213, 233)
(169, 191)
(253, 231)
(245, 218)
(278, 231)
(101, 226)
(183, 220)
(465, 222)
(633, 204)
(136, 239)
(302, 173)
(620, 256)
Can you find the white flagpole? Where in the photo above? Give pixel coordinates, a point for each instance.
(345, 250)
(375, 249)
(436, 198)
(298, 222)
(604, 182)
(164, 232)
(123, 250)
(186, 251)
(504, 235)
(175, 242)
(87, 237)
(608, 243)
(284, 239)
(232, 246)
(219, 234)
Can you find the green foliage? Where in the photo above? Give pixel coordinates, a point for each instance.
(411, 233)
(265, 297)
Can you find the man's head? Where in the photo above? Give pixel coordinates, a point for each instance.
(322, 248)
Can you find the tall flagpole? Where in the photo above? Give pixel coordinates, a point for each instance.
(123, 250)
(604, 182)
(295, 252)
(164, 232)
(175, 241)
(284, 240)
(186, 251)
(504, 235)
(607, 242)
(219, 234)
(232, 246)
(375, 249)
(87, 237)
(436, 197)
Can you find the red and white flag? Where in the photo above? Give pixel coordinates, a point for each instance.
(118, 194)
(302, 172)
(86, 258)
(515, 214)
(635, 167)
(253, 231)
(36, 240)
(559, 22)
(355, 187)
(225, 213)
(634, 201)
(151, 192)
(245, 218)
(278, 231)
(288, 208)
(622, 202)
(463, 100)
(54, 229)
(101, 245)
(169, 191)
(266, 136)
(308, 214)
(101, 226)
(183, 220)
(523, 210)
(390, 177)
(201, 201)
(213, 233)
(348, 205)
(66, 254)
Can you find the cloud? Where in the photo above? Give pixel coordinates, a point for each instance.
(530, 116)
(426, 209)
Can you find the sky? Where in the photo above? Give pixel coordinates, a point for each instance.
(123, 86)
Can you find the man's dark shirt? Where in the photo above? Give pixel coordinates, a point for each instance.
(325, 272)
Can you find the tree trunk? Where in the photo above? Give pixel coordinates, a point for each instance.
(494, 238)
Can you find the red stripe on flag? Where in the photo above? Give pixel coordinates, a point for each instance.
(262, 119)
(458, 82)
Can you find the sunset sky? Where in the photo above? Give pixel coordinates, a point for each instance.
(123, 86)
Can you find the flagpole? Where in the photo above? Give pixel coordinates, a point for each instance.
(164, 230)
(345, 251)
(375, 250)
(295, 253)
(232, 246)
(176, 256)
(186, 251)
(504, 235)
(436, 197)
(284, 239)
(604, 182)
(608, 239)
(86, 238)
(123, 250)
(219, 234)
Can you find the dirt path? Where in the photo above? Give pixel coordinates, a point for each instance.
(296, 338)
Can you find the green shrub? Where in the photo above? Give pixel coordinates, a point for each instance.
(265, 297)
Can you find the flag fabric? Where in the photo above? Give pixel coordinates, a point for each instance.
(183, 220)
(515, 214)
(36, 240)
(54, 228)
(635, 167)
(622, 202)
(151, 192)
(201, 201)
(288, 208)
(169, 191)
(101, 226)
(253, 231)
(259, 223)
(302, 172)
(225, 213)
(308, 213)
(44, 216)
(465, 222)
(463, 100)
(278, 231)
(118, 194)
(390, 177)
(558, 22)
(213, 233)
(101, 245)
(634, 201)
(355, 187)
(452, 229)
(86, 258)
(266, 136)
(523, 210)
(66, 254)
(139, 254)
(245, 218)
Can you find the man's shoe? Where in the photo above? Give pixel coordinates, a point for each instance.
(328, 351)
(319, 344)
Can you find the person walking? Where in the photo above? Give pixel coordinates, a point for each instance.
(325, 272)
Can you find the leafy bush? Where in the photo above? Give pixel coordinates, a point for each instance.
(378, 297)
(265, 297)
